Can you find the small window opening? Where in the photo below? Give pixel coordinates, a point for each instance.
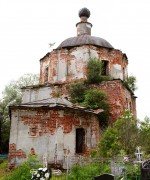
(33, 131)
(127, 103)
(123, 74)
(130, 107)
(105, 68)
(46, 75)
(80, 140)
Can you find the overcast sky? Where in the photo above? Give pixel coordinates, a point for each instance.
(28, 26)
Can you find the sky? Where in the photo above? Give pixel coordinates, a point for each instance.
(28, 26)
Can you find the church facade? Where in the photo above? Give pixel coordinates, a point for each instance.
(53, 126)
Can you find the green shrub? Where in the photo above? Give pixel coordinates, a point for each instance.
(56, 94)
(95, 99)
(104, 118)
(88, 172)
(130, 83)
(22, 172)
(1, 161)
(92, 99)
(94, 70)
(123, 135)
(77, 92)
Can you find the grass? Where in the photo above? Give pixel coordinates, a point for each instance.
(4, 170)
(5, 173)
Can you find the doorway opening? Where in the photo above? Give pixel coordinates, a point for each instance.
(80, 140)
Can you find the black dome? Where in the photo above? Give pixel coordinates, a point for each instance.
(84, 12)
(84, 40)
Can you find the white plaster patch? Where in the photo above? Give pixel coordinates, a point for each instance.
(93, 54)
(81, 53)
(117, 71)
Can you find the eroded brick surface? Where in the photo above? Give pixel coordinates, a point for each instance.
(13, 153)
(48, 121)
(118, 97)
(67, 65)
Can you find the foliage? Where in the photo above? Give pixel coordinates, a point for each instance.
(130, 83)
(127, 132)
(144, 131)
(108, 145)
(133, 171)
(86, 96)
(104, 118)
(77, 92)
(56, 94)
(23, 171)
(88, 171)
(11, 96)
(12, 91)
(3, 169)
(95, 99)
(123, 135)
(94, 70)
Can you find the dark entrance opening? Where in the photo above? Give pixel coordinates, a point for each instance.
(80, 140)
(105, 68)
(46, 75)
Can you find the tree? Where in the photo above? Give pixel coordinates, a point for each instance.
(130, 82)
(127, 132)
(95, 99)
(123, 135)
(77, 92)
(12, 91)
(94, 70)
(12, 96)
(144, 135)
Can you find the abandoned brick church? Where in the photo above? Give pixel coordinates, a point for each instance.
(46, 124)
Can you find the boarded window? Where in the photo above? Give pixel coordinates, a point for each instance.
(80, 140)
(105, 68)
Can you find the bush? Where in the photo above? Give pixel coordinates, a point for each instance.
(88, 172)
(23, 171)
(77, 92)
(95, 99)
(94, 70)
(130, 83)
(123, 135)
(92, 99)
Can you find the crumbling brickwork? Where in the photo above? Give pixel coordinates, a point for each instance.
(13, 154)
(46, 122)
(67, 65)
(57, 127)
(119, 97)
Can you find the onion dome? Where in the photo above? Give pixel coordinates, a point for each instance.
(84, 12)
(84, 34)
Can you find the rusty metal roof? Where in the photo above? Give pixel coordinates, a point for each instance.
(55, 103)
(84, 40)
